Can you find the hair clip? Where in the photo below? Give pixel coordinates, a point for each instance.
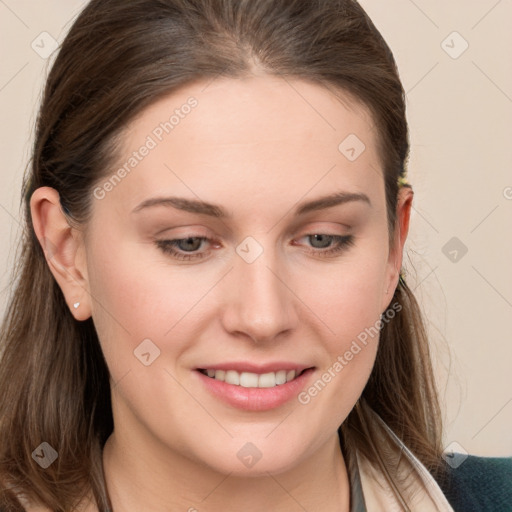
(402, 182)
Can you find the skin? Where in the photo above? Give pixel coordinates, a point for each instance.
(256, 147)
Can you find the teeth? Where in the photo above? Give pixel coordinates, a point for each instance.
(232, 377)
(267, 380)
(281, 377)
(248, 380)
(252, 380)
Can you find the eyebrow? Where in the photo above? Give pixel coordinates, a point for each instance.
(204, 208)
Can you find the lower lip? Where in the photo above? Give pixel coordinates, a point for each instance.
(255, 399)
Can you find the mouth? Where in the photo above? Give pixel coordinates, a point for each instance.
(255, 388)
(253, 380)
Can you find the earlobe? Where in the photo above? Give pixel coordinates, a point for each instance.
(61, 243)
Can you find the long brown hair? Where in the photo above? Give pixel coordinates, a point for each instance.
(118, 58)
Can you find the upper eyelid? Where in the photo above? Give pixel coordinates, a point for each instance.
(303, 232)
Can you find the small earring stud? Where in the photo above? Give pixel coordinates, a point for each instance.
(76, 305)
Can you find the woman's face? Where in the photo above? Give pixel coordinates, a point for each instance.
(246, 238)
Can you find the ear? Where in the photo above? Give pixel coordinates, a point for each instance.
(63, 248)
(403, 215)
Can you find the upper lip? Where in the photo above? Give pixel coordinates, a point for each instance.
(251, 367)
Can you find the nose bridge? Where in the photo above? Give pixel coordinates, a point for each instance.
(262, 306)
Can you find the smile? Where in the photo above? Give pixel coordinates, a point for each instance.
(263, 388)
(253, 380)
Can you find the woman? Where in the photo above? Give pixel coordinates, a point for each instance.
(210, 313)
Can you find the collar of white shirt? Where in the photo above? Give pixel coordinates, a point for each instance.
(371, 491)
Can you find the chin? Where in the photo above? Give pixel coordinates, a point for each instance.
(255, 457)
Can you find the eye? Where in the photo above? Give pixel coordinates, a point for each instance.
(329, 244)
(189, 248)
(321, 241)
(184, 248)
(190, 244)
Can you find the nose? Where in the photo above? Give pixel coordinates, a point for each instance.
(259, 304)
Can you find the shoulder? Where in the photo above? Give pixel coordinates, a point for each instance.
(479, 483)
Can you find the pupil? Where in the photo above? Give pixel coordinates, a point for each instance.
(190, 244)
(321, 241)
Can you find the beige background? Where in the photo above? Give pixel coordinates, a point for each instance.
(460, 111)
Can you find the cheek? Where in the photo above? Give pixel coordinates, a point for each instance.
(127, 301)
(351, 313)
(347, 297)
(350, 357)
(137, 297)
(347, 301)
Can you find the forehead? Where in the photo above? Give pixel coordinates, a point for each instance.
(260, 108)
(258, 134)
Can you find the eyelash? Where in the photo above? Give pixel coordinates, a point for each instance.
(342, 242)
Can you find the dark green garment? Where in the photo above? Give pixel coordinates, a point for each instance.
(480, 484)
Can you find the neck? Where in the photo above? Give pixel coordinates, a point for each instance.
(153, 480)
